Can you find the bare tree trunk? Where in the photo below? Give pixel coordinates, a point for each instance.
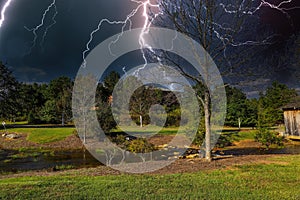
(141, 121)
(207, 116)
(62, 118)
(84, 130)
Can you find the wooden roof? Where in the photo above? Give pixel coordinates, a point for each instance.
(293, 105)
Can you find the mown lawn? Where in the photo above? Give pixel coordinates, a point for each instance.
(148, 129)
(278, 180)
(44, 135)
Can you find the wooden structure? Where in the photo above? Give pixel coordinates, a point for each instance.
(292, 118)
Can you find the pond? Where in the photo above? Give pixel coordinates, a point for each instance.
(13, 160)
(26, 160)
(289, 149)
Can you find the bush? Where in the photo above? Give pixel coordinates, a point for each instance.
(268, 138)
(225, 140)
(140, 145)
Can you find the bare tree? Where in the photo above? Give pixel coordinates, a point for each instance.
(216, 27)
(83, 104)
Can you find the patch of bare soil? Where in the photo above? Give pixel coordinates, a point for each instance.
(160, 140)
(246, 143)
(71, 142)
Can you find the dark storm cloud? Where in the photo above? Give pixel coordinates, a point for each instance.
(61, 53)
(285, 21)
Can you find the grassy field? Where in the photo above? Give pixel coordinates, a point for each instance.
(280, 179)
(235, 133)
(132, 130)
(44, 135)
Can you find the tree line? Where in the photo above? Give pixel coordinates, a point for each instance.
(50, 103)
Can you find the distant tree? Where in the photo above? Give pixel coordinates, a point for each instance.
(251, 113)
(270, 103)
(236, 106)
(140, 103)
(110, 81)
(60, 91)
(49, 112)
(240, 110)
(103, 101)
(31, 98)
(83, 105)
(8, 88)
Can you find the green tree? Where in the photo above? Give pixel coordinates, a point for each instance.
(110, 81)
(60, 91)
(240, 110)
(236, 101)
(31, 98)
(49, 112)
(103, 101)
(270, 103)
(8, 88)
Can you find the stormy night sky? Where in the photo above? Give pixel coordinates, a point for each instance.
(61, 52)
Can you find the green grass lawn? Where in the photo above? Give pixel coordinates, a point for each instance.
(262, 181)
(44, 135)
(235, 133)
(17, 123)
(149, 129)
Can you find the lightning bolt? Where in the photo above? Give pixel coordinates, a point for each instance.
(144, 6)
(42, 23)
(265, 3)
(230, 9)
(3, 11)
(141, 5)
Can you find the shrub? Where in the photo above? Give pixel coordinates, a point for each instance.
(140, 145)
(268, 138)
(225, 140)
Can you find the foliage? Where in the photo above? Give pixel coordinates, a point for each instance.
(270, 103)
(105, 117)
(140, 145)
(239, 108)
(225, 140)
(31, 119)
(8, 88)
(268, 138)
(200, 134)
(103, 102)
(49, 112)
(60, 93)
(31, 98)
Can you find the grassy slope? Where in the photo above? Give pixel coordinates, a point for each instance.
(44, 135)
(261, 181)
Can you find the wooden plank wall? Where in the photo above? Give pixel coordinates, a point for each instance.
(292, 122)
